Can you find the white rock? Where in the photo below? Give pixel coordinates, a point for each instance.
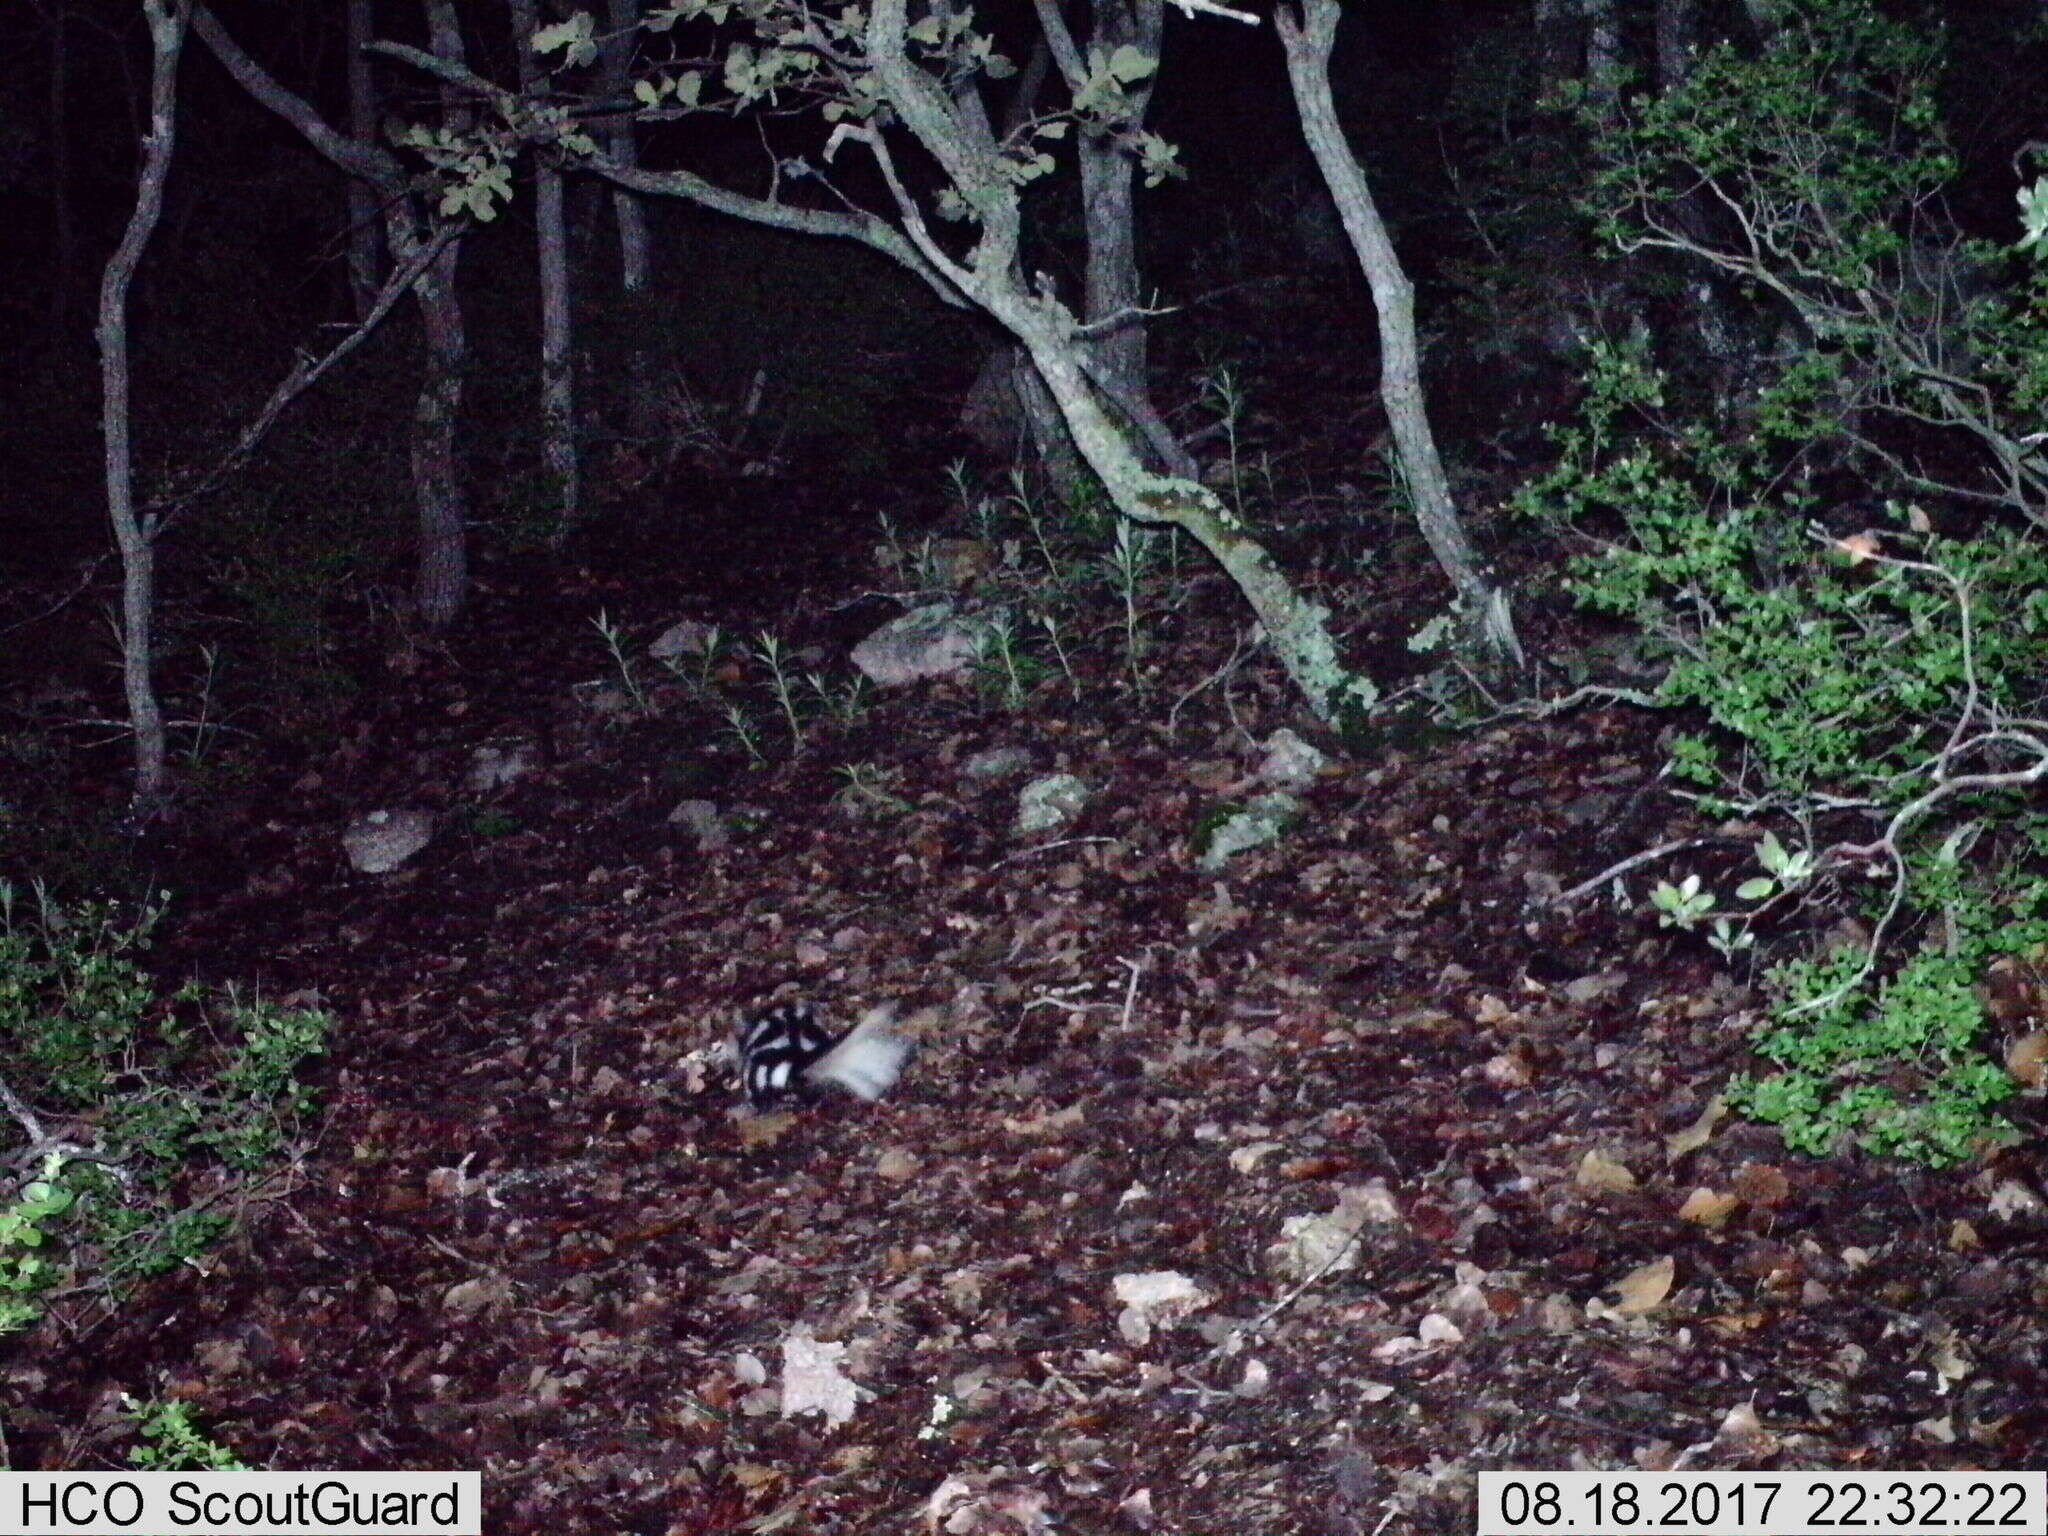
(688, 637)
(704, 822)
(1290, 763)
(494, 766)
(1047, 804)
(379, 842)
(931, 641)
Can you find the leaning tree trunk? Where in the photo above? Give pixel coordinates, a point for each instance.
(1297, 628)
(557, 365)
(1008, 409)
(1308, 41)
(133, 533)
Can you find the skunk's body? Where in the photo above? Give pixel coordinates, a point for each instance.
(785, 1050)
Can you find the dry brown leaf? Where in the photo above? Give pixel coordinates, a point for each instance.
(1963, 1238)
(897, 1164)
(753, 1476)
(1698, 1134)
(1643, 1289)
(1490, 1010)
(1507, 1070)
(1303, 1168)
(470, 1297)
(1763, 1185)
(1742, 1430)
(2027, 1059)
(765, 1130)
(1600, 1174)
(1734, 1324)
(1708, 1207)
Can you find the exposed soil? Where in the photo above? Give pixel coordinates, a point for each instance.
(539, 1235)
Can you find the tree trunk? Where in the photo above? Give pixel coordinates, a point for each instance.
(557, 360)
(1308, 42)
(441, 581)
(1557, 33)
(643, 416)
(1108, 209)
(441, 584)
(1297, 628)
(1111, 286)
(363, 254)
(1603, 55)
(1677, 42)
(133, 533)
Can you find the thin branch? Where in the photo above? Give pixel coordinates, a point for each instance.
(306, 371)
(1613, 871)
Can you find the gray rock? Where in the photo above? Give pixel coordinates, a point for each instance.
(997, 763)
(1047, 804)
(687, 637)
(495, 765)
(379, 842)
(705, 824)
(1291, 764)
(1259, 823)
(932, 641)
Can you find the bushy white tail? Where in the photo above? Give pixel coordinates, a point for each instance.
(868, 1060)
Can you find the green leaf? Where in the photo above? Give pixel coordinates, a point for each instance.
(1130, 63)
(572, 36)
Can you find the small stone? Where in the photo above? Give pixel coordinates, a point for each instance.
(1047, 804)
(702, 819)
(381, 841)
(1291, 764)
(997, 763)
(686, 637)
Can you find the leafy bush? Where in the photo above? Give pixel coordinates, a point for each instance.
(1840, 690)
(187, 1102)
(24, 1273)
(1869, 683)
(171, 1442)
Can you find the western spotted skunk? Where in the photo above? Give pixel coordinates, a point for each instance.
(785, 1050)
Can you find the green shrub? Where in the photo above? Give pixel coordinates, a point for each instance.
(171, 1442)
(1871, 703)
(24, 1272)
(1868, 684)
(189, 1097)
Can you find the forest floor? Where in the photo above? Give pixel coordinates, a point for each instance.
(538, 1233)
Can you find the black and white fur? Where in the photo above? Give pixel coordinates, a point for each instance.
(785, 1050)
